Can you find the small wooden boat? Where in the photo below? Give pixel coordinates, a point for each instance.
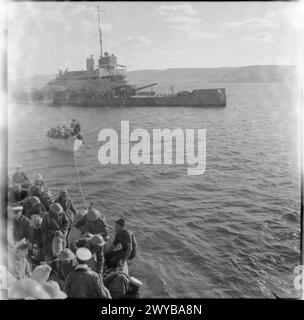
(69, 144)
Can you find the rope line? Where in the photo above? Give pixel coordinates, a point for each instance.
(80, 187)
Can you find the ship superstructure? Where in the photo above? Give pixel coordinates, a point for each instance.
(104, 84)
(101, 76)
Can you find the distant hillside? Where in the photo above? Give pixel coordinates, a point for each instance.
(271, 73)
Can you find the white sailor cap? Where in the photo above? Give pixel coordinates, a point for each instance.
(83, 254)
(19, 208)
(135, 281)
(19, 166)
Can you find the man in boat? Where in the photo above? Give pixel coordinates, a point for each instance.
(75, 127)
(20, 177)
(16, 193)
(75, 130)
(39, 183)
(35, 207)
(47, 198)
(19, 266)
(54, 220)
(66, 132)
(128, 244)
(93, 222)
(21, 225)
(117, 282)
(27, 201)
(84, 282)
(95, 243)
(62, 266)
(65, 201)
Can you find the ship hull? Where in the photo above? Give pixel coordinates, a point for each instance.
(197, 98)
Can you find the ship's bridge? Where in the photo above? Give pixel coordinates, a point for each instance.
(108, 66)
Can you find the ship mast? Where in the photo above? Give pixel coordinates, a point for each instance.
(100, 33)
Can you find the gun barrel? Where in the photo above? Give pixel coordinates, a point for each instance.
(147, 86)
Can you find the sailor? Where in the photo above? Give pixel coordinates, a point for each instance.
(27, 202)
(34, 191)
(62, 133)
(117, 282)
(95, 243)
(93, 222)
(20, 177)
(84, 282)
(65, 201)
(47, 198)
(52, 132)
(133, 291)
(66, 133)
(62, 266)
(128, 244)
(21, 225)
(19, 266)
(38, 182)
(57, 132)
(75, 127)
(16, 192)
(54, 220)
(36, 207)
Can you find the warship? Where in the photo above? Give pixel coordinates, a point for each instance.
(105, 84)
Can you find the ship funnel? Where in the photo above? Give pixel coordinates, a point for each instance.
(90, 66)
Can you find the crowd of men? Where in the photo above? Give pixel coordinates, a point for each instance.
(65, 132)
(55, 251)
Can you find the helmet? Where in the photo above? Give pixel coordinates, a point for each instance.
(35, 200)
(56, 207)
(65, 255)
(38, 177)
(97, 240)
(93, 215)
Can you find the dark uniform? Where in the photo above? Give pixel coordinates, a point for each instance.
(51, 224)
(22, 229)
(94, 227)
(123, 237)
(84, 283)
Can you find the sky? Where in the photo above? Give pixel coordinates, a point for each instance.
(46, 36)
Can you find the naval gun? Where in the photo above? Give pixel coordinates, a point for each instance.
(128, 90)
(144, 87)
